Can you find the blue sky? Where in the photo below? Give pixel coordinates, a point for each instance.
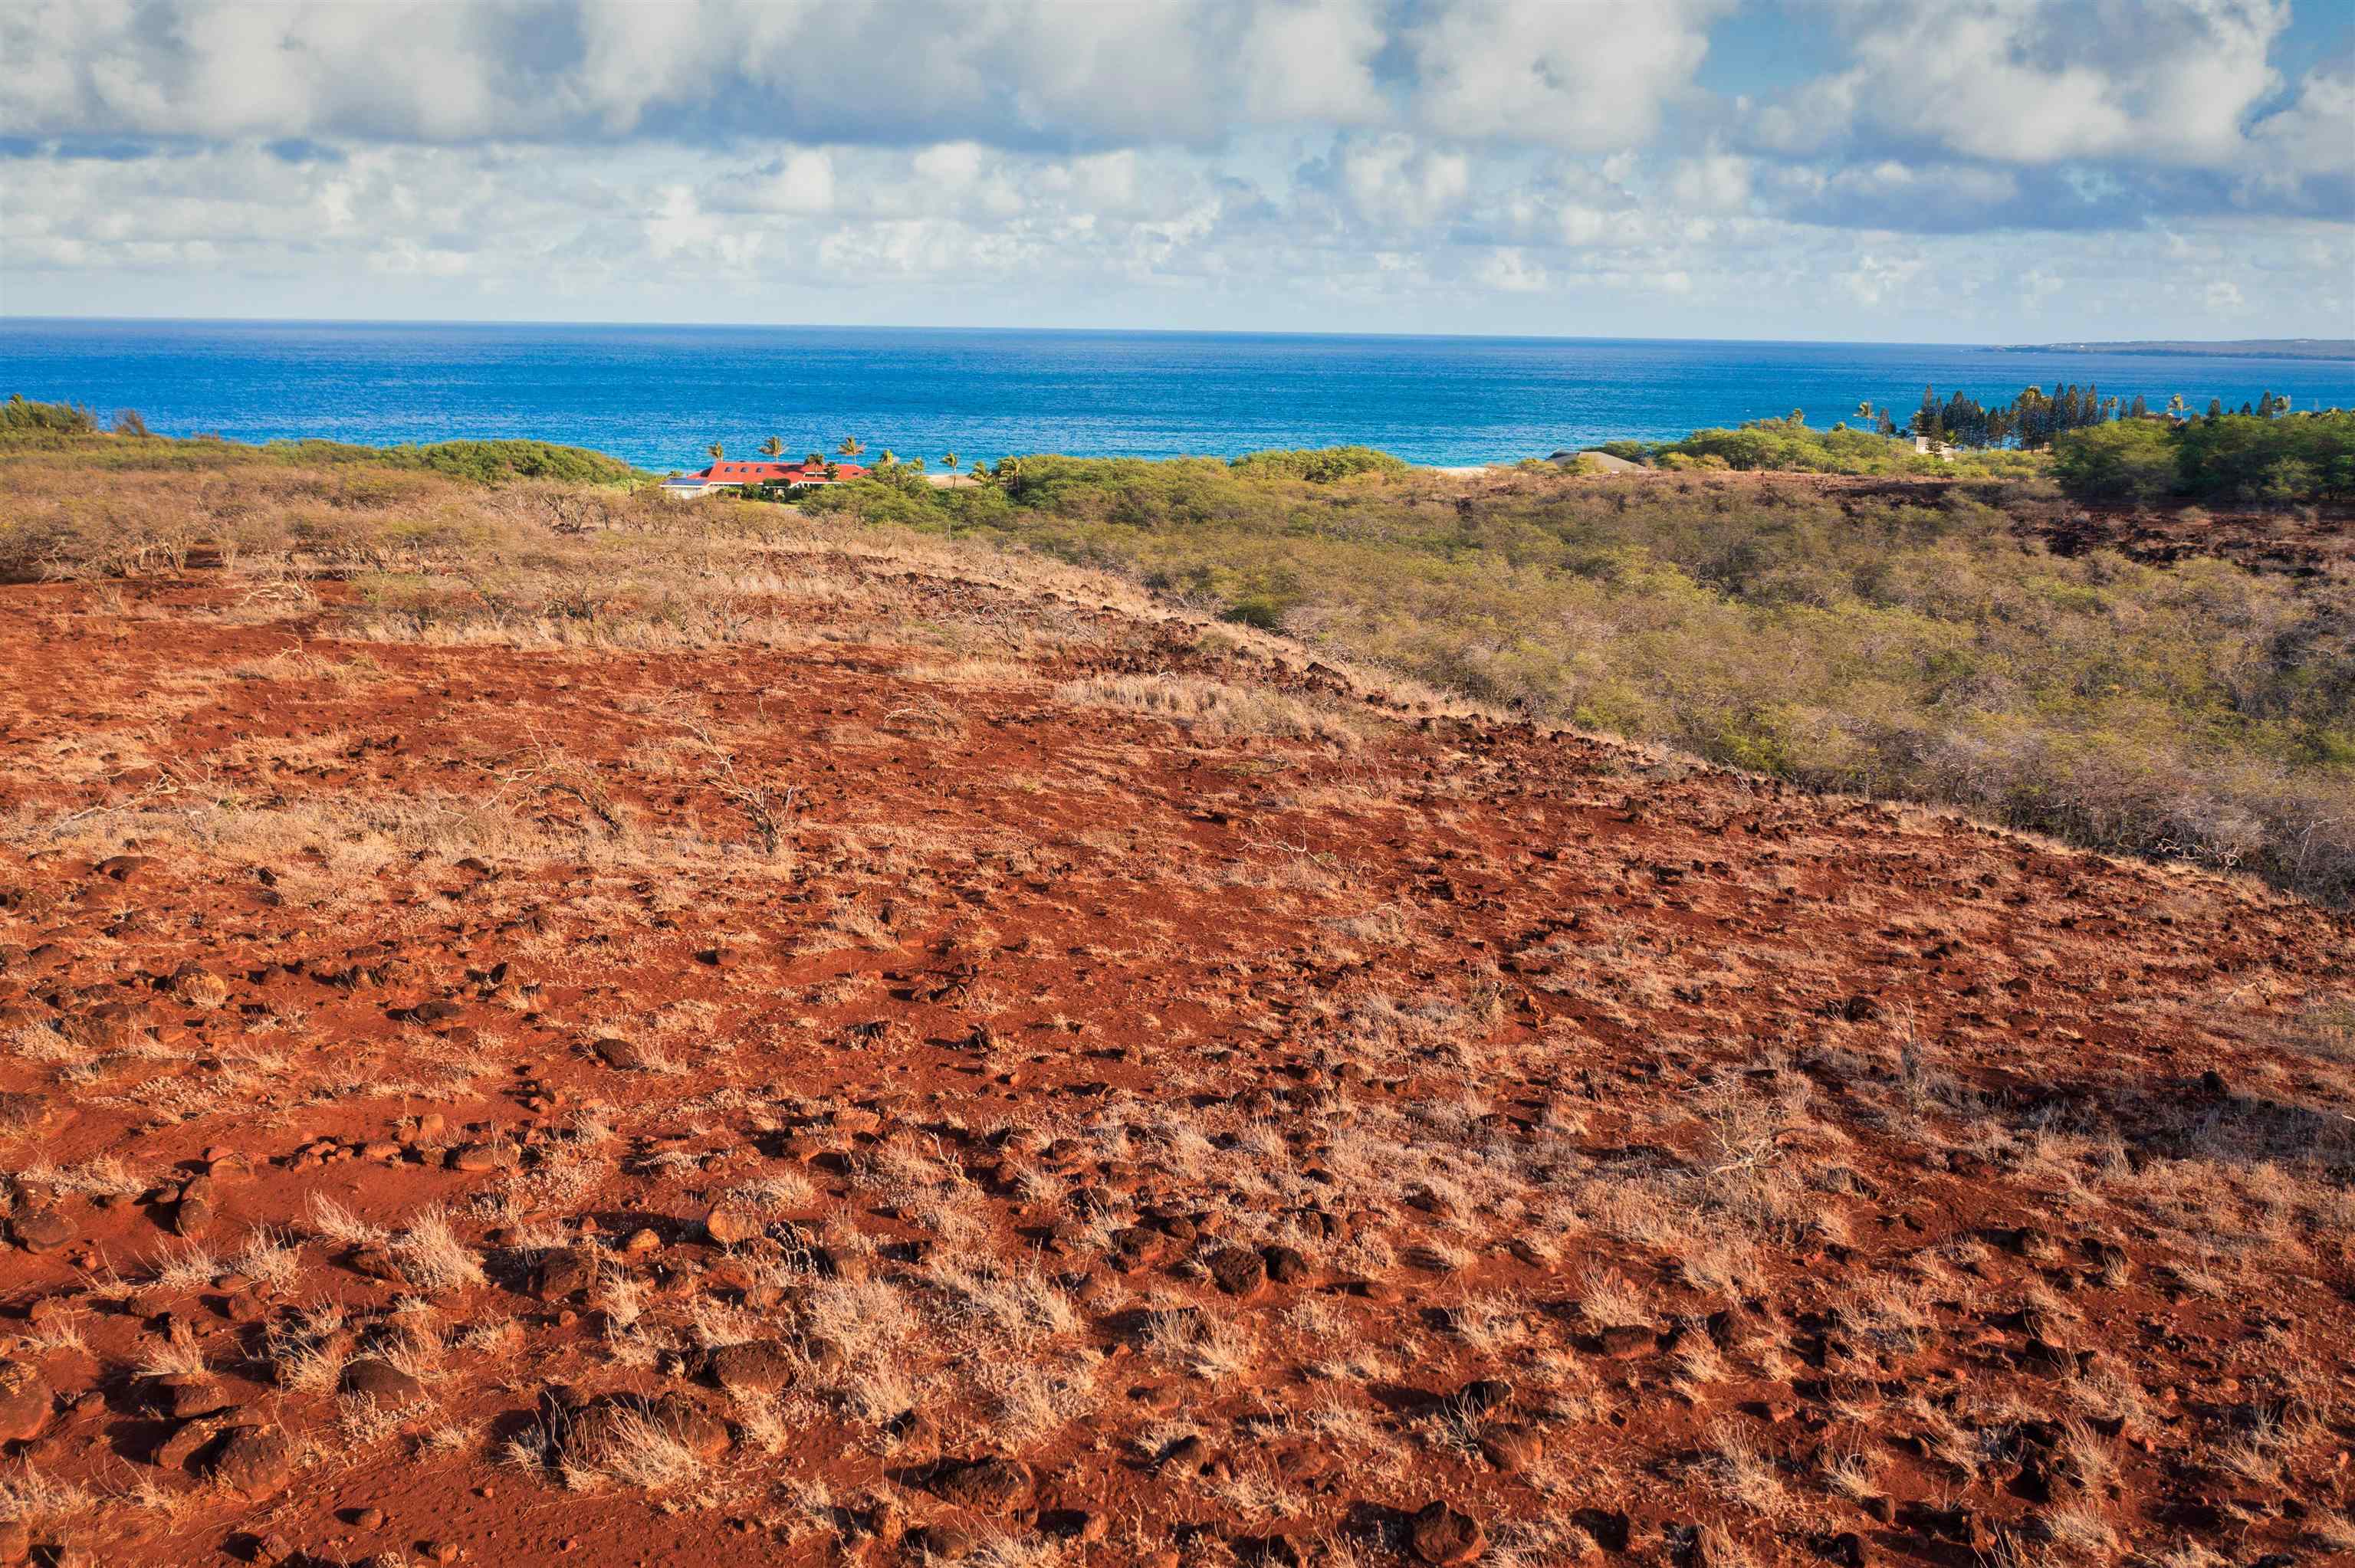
(2012, 170)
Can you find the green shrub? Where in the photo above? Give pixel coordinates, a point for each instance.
(20, 418)
(2131, 460)
(2242, 459)
(1322, 466)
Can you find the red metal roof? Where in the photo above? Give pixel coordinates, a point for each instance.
(730, 473)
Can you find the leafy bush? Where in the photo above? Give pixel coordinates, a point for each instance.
(2288, 457)
(20, 417)
(60, 426)
(1321, 466)
(2238, 458)
(478, 462)
(2130, 461)
(1791, 444)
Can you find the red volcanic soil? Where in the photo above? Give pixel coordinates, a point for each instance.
(982, 1070)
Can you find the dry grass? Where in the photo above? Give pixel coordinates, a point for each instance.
(1218, 708)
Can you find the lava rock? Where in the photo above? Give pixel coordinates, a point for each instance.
(256, 1461)
(25, 1402)
(1445, 1539)
(989, 1486)
(761, 1366)
(371, 1377)
(41, 1230)
(1238, 1271)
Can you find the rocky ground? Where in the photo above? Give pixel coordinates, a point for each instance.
(916, 1060)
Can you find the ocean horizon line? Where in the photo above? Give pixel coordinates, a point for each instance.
(591, 324)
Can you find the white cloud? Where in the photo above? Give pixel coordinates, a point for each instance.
(1879, 279)
(1420, 161)
(1509, 268)
(1394, 182)
(2042, 81)
(1010, 72)
(1585, 74)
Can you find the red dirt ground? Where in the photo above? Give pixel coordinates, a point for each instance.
(1095, 1136)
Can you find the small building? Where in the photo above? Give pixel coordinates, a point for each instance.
(1943, 450)
(735, 475)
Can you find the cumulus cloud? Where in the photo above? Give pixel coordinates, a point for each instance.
(1588, 74)
(682, 158)
(1015, 73)
(1394, 182)
(2040, 82)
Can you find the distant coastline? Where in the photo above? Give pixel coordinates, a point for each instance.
(658, 397)
(2228, 348)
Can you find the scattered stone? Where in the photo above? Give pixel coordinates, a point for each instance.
(990, 1486)
(1238, 1271)
(40, 1230)
(24, 1401)
(1287, 1265)
(562, 1276)
(256, 1461)
(1626, 1343)
(730, 1227)
(371, 1377)
(184, 1395)
(620, 1054)
(198, 986)
(1485, 1394)
(183, 1445)
(1512, 1448)
(1189, 1455)
(761, 1366)
(1445, 1539)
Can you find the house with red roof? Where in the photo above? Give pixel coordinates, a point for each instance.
(735, 474)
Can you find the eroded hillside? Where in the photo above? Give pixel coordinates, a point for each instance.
(684, 1050)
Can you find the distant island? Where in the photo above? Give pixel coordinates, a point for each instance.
(2234, 348)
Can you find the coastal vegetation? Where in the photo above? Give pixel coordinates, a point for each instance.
(1915, 645)
(29, 426)
(2231, 457)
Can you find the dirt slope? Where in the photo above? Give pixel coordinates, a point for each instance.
(979, 1070)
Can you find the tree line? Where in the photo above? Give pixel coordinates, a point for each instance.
(2034, 420)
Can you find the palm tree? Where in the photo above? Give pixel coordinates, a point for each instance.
(716, 451)
(851, 446)
(948, 459)
(815, 460)
(888, 459)
(773, 447)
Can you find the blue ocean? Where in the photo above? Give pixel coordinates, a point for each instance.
(657, 396)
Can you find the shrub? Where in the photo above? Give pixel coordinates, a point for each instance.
(2238, 458)
(2131, 460)
(1321, 466)
(20, 417)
